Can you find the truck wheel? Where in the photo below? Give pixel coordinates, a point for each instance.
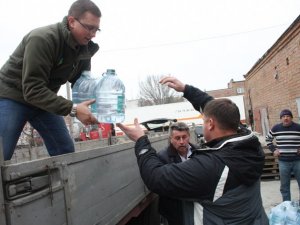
(149, 216)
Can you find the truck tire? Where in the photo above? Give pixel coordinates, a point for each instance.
(149, 216)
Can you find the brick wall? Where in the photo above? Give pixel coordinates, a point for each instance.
(273, 83)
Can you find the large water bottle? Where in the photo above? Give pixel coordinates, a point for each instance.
(84, 89)
(277, 215)
(75, 91)
(92, 90)
(84, 86)
(87, 89)
(292, 213)
(110, 98)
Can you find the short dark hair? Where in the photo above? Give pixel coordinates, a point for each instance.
(225, 112)
(79, 7)
(179, 126)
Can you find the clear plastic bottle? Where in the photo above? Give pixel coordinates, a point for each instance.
(277, 215)
(87, 88)
(292, 213)
(92, 90)
(110, 98)
(75, 94)
(84, 89)
(84, 92)
(75, 91)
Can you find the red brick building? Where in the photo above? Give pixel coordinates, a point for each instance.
(233, 88)
(273, 83)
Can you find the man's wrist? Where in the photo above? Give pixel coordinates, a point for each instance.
(141, 144)
(73, 112)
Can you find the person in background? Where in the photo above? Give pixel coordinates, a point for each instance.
(284, 141)
(175, 211)
(222, 180)
(47, 58)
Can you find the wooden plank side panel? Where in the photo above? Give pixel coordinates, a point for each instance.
(97, 186)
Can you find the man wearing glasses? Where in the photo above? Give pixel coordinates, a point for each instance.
(47, 58)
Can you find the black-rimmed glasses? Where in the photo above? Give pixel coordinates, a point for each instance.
(89, 28)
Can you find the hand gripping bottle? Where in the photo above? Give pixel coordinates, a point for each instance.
(84, 89)
(110, 98)
(87, 88)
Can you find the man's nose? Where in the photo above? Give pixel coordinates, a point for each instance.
(181, 139)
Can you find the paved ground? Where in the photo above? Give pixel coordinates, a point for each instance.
(271, 194)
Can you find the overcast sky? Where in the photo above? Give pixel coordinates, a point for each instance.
(203, 43)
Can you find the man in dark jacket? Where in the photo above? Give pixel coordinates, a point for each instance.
(223, 180)
(177, 212)
(47, 58)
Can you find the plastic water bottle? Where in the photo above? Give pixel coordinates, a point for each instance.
(75, 91)
(84, 92)
(92, 91)
(292, 213)
(87, 89)
(110, 98)
(84, 89)
(277, 215)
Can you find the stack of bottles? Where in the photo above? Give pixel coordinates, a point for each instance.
(109, 92)
(286, 213)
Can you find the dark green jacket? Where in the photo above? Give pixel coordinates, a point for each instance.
(46, 58)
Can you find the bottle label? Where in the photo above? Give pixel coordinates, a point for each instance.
(120, 106)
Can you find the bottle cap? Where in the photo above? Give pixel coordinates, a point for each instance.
(111, 71)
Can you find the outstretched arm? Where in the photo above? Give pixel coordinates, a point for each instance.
(194, 95)
(174, 83)
(134, 133)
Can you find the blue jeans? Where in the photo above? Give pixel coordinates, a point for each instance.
(51, 127)
(285, 171)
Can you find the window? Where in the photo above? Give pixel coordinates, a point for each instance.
(240, 90)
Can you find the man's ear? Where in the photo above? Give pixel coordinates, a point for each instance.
(211, 124)
(71, 21)
(170, 139)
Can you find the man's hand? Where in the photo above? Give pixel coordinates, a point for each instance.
(134, 133)
(84, 114)
(276, 153)
(174, 83)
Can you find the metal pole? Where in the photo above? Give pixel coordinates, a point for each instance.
(68, 90)
(2, 199)
(69, 119)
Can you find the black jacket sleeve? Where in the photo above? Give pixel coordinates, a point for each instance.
(196, 97)
(187, 180)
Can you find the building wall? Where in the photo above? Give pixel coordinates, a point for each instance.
(273, 83)
(233, 88)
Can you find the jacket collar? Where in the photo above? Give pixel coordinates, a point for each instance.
(216, 144)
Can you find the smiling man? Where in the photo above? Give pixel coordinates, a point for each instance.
(47, 58)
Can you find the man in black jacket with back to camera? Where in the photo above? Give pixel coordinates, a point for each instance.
(223, 180)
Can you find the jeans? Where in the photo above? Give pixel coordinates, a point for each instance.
(51, 127)
(285, 171)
